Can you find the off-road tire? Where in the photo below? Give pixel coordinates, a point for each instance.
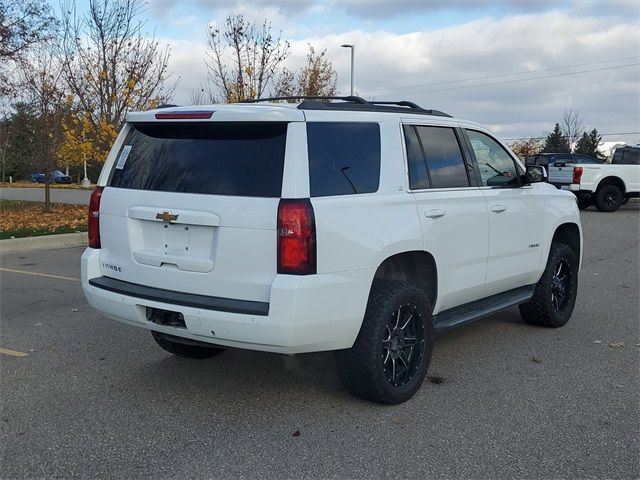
(363, 368)
(185, 348)
(540, 310)
(609, 198)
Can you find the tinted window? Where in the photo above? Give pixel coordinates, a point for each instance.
(344, 158)
(213, 158)
(497, 168)
(631, 156)
(418, 178)
(445, 164)
(627, 156)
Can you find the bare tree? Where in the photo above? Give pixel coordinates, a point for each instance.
(203, 95)
(244, 58)
(41, 79)
(110, 66)
(572, 127)
(316, 78)
(23, 25)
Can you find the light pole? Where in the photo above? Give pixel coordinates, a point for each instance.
(353, 48)
(86, 183)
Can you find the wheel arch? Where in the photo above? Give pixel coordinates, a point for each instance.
(569, 234)
(416, 266)
(612, 180)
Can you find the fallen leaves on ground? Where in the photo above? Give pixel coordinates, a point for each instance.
(22, 219)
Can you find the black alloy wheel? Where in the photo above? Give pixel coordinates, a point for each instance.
(390, 357)
(609, 198)
(556, 291)
(403, 345)
(561, 285)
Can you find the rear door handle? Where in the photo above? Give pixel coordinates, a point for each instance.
(498, 208)
(435, 213)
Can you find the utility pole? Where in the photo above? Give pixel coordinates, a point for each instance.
(353, 48)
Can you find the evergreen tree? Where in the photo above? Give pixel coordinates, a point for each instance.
(556, 142)
(588, 144)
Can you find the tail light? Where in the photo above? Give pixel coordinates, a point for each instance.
(296, 237)
(577, 174)
(94, 218)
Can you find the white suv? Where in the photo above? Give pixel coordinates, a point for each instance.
(338, 225)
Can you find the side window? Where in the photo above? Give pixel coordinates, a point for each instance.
(418, 177)
(344, 158)
(445, 163)
(631, 156)
(497, 168)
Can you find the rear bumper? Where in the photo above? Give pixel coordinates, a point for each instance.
(574, 187)
(305, 313)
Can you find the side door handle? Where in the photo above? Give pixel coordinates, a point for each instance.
(437, 213)
(498, 208)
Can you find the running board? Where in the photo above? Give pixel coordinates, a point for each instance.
(481, 308)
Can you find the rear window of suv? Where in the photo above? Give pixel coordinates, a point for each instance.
(242, 159)
(344, 158)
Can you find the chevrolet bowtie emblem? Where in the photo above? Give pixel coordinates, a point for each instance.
(167, 217)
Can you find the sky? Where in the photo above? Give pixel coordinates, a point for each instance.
(514, 65)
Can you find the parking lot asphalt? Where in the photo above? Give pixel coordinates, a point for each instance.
(36, 194)
(97, 399)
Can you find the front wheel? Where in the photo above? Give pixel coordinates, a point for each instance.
(555, 294)
(185, 347)
(392, 352)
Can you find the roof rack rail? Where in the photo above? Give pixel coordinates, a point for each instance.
(349, 98)
(352, 103)
(403, 103)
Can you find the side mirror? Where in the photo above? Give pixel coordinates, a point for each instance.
(535, 174)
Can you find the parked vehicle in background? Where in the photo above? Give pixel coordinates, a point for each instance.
(353, 226)
(626, 156)
(56, 177)
(605, 185)
(553, 159)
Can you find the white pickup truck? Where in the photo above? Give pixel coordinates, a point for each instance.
(605, 185)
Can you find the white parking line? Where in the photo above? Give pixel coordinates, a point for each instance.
(37, 274)
(13, 353)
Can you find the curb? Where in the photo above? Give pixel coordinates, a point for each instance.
(44, 242)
